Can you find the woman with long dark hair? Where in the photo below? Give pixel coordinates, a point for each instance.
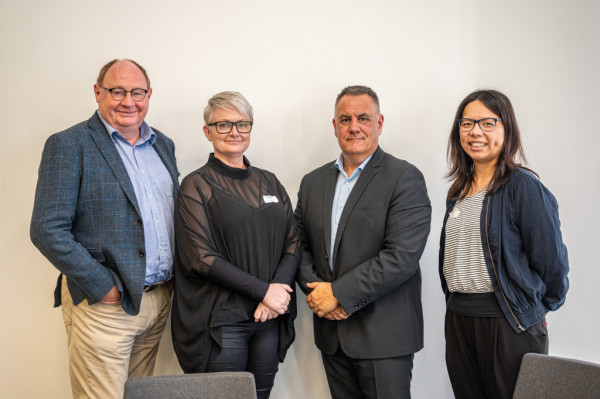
(503, 264)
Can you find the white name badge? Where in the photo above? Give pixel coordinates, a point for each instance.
(270, 199)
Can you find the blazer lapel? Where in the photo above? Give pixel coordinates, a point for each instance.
(363, 181)
(328, 193)
(113, 159)
(168, 160)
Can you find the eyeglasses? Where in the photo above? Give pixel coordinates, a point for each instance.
(485, 124)
(225, 127)
(119, 94)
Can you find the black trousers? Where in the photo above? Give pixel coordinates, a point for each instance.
(483, 354)
(249, 346)
(350, 378)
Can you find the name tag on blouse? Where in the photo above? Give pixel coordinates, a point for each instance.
(270, 199)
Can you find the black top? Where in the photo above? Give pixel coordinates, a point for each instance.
(235, 234)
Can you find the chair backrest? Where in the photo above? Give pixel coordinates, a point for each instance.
(226, 385)
(551, 377)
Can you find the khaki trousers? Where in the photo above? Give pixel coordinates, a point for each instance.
(106, 345)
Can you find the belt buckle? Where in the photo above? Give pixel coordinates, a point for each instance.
(152, 287)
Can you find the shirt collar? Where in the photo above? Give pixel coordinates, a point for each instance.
(339, 164)
(146, 132)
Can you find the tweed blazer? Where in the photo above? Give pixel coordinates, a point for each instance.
(86, 219)
(376, 276)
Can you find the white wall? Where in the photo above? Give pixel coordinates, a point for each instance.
(290, 59)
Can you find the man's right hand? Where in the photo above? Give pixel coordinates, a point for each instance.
(113, 296)
(337, 314)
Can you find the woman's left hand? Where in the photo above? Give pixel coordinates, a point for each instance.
(264, 313)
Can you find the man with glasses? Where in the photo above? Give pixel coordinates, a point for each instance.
(364, 221)
(103, 216)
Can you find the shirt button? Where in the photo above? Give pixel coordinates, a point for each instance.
(141, 254)
(139, 222)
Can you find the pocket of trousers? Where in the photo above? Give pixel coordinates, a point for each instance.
(66, 303)
(539, 329)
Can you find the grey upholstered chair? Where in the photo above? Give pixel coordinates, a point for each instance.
(238, 385)
(551, 377)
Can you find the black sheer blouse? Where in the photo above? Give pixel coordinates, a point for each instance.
(235, 233)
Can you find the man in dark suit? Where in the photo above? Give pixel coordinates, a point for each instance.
(103, 216)
(364, 221)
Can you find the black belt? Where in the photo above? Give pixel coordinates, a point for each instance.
(152, 287)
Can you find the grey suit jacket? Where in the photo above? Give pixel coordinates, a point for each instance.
(86, 219)
(376, 276)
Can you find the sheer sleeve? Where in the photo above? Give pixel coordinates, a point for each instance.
(196, 247)
(288, 264)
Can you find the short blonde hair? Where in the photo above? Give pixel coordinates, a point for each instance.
(231, 100)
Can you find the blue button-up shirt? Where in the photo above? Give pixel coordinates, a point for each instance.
(343, 188)
(153, 188)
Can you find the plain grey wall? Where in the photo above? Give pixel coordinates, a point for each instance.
(290, 59)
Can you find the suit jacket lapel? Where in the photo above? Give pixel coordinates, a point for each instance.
(328, 193)
(168, 160)
(113, 159)
(363, 181)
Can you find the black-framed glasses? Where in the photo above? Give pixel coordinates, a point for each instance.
(119, 94)
(485, 124)
(225, 127)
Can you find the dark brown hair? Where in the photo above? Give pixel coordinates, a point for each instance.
(106, 67)
(461, 165)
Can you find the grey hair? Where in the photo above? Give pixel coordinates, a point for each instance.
(358, 90)
(230, 100)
